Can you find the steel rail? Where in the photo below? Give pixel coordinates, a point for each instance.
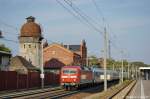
(25, 93)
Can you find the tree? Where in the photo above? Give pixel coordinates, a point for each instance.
(140, 64)
(93, 60)
(113, 64)
(3, 48)
(110, 63)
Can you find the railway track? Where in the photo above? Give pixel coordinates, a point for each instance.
(124, 92)
(44, 94)
(119, 91)
(27, 93)
(57, 94)
(47, 93)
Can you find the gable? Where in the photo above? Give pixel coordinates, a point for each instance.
(20, 62)
(57, 46)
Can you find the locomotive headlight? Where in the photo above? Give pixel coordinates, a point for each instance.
(74, 79)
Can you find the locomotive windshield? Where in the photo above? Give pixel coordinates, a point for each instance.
(69, 71)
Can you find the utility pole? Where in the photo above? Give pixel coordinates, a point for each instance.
(122, 68)
(109, 48)
(105, 59)
(128, 69)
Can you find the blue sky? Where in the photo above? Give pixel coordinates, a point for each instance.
(129, 22)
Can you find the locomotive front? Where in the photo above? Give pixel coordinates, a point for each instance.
(70, 76)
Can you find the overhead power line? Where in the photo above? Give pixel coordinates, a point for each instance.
(8, 25)
(104, 24)
(88, 20)
(9, 40)
(85, 17)
(111, 39)
(68, 10)
(14, 34)
(84, 14)
(99, 11)
(69, 3)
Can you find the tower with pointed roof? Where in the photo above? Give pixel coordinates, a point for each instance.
(30, 42)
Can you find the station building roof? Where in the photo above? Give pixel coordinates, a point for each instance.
(144, 68)
(4, 53)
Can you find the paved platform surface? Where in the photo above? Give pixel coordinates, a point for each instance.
(141, 90)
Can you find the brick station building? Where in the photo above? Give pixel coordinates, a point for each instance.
(59, 55)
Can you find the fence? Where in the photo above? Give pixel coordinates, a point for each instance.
(11, 80)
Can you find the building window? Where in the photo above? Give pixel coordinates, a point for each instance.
(29, 46)
(24, 45)
(35, 46)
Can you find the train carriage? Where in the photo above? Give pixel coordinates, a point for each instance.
(75, 76)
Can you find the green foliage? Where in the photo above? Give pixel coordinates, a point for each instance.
(93, 60)
(113, 64)
(110, 63)
(117, 64)
(3, 48)
(139, 64)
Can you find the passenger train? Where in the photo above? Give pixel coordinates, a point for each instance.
(76, 76)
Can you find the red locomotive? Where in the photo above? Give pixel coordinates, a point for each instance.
(75, 76)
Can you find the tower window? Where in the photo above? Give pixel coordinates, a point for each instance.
(29, 46)
(24, 45)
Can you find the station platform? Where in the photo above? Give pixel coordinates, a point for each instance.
(141, 90)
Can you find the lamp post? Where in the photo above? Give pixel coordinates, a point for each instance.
(42, 68)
